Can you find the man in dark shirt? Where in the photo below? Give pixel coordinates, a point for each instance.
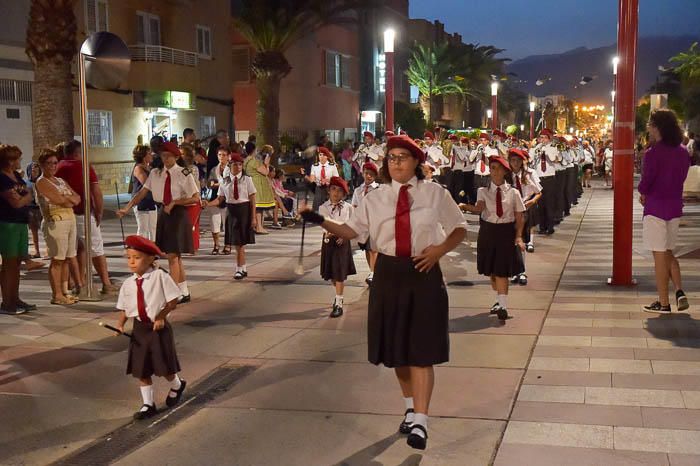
(212, 157)
(71, 170)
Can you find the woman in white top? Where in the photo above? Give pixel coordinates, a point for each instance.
(608, 163)
(501, 231)
(411, 224)
(218, 213)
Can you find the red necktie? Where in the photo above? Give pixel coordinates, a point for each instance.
(518, 185)
(323, 172)
(454, 156)
(141, 302)
(167, 191)
(235, 187)
(483, 163)
(543, 162)
(366, 189)
(402, 224)
(499, 203)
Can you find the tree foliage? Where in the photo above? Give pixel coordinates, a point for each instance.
(688, 67)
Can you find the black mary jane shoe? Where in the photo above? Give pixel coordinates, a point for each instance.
(184, 299)
(368, 280)
(405, 427)
(494, 308)
(415, 440)
(148, 413)
(522, 279)
(514, 279)
(171, 401)
(239, 275)
(502, 313)
(530, 248)
(336, 312)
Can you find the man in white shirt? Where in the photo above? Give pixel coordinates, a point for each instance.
(543, 157)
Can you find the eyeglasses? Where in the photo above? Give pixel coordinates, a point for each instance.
(397, 159)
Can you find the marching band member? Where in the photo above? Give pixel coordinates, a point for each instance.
(543, 156)
(411, 224)
(559, 181)
(148, 296)
(461, 178)
(588, 162)
(370, 173)
(480, 157)
(499, 142)
(567, 162)
(433, 150)
(336, 254)
(321, 174)
(501, 227)
(360, 156)
(173, 188)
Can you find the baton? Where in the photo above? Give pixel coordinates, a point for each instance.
(119, 206)
(115, 329)
(299, 270)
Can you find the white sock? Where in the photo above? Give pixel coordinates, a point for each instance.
(175, 384)
(371, 275)
(409, 405)
(532, 239)
(420, 419)
(238, 269)
(244, 268)
(503, 300)
(147, 395)
(339, 299)
(183, 288)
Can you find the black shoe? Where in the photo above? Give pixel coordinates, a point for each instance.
(575, 202)
(27, 307)
(494, 308)
(681, 301)
(245, 273)
(13, 312)
(184, 299)
(150, 412)
(239, 275)
(405, 427)
(658, 308)
(530, 247)
(171, 401)
(337, 311)
(502, 313)
(514, 280)
(368, 280)
(542, 232)
(415, 440)
(567, 213)
(522, 279)
(550, 232)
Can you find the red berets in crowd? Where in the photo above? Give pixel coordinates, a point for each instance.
(171, 148)
(404, 142)
(464, 139)
(139, 243)
(498, 132)
(546, 132)
(485, 136)
(339, 182)
(236, 157)
(428, 135)
(515, 152)
(453, 137)
(370, 166)
(368, 134)
(501, 160)
(324, 150)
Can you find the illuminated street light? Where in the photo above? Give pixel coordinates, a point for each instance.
(532, 120)
(494, 104)
(615, 62)
(612, 94)
(389, 36)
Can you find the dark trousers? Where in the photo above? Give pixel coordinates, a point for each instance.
(480, 181)
(568, 187)
(461, 185)
(468, 187)
(559, 189)
(548, 203)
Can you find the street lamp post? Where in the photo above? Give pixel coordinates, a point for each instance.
(532, 121)
(494, 104)
(623, 141)
(389, 36)
(489, 116)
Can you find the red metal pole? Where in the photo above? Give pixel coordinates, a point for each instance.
(623, 142)
(532, 125)
(389, 91)
(494, 110)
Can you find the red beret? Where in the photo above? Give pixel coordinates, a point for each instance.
(404, 142)
(453, 137)
(437, 129)
(501, 160)
(339, 182)
(428, 135)
(236, 157)
(498, 132)
(139, 243)
(546, 132)
(368, 134)
(485, 136)
(370, 166)
(518, 153)
(170, 147)
(389, 133)
(464, 139)
(324, 150)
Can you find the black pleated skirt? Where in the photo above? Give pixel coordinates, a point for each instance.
(174, 231)
(496, 253)
(239, 230)
(408, 318)
(152, 352)
(336, 261)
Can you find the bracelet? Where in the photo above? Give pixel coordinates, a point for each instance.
(312, 217)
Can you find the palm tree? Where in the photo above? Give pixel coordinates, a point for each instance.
(51, 46)
(688, 65)
(272, 27)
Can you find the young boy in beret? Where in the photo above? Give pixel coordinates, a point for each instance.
(148, 296)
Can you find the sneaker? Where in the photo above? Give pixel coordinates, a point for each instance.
(494, 308)
(682, 301)
(276, 226)
(656, 307)
(27, 307)
(13, 312)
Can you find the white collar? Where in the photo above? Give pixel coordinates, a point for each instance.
(504, 187)
(147, 274)
(396, 186)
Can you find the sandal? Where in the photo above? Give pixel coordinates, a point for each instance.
(215, 251)
(227, 251)
(63, 301)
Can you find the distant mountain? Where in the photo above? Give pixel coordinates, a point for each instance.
(566, 69)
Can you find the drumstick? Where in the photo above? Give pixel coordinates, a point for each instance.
(299, 270)
(119, 206)
(114, 329)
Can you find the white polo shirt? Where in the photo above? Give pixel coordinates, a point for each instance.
(158, 290)
(510, 200)
(246, 188)
(182, 185)
(331, 170)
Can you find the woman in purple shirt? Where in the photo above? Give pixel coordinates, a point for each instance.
(665, 168)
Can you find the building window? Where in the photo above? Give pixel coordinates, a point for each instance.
(100, 128)
(96, 15)
(147, 28)
(241, 64)
(337, 70)
(207, 126)
(12, 113)
(203, 41)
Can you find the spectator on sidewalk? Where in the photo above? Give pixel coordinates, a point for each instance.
(221, 139)
(257, 166)
(664, 170)
(145, 212)
(71, 170)
(217, 214)
(14, 238)
(57, 200)
(33, 173)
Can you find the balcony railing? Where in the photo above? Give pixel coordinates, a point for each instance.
(158, 53)
(15, 92)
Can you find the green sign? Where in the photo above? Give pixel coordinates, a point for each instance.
(164, 99)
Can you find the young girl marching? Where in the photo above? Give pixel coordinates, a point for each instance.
(412, 224)
(336, 254)
(528, 185)
(173, 188)
(148, 296)
(238, 192)
(500, 232)
(370, 174)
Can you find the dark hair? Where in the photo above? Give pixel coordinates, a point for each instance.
(667, 123)
(187, 132)
(223, 148)
(249, 148)
(6, 152)
(45, 154)
(386, 178)
(156, 142)
(71, 148)
(140, 153)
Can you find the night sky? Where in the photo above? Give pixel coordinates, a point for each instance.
(529, 27)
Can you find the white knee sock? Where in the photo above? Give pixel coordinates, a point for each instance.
(420, 419)
(409, 405)
(175, 384)
(244, 268)
(147, 395)
(503, 300)
(339, 299)
(183, 288)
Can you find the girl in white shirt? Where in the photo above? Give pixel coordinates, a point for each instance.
(370, 173)
(336, 254)
(501, 230)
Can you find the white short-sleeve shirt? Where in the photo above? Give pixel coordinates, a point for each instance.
(434, 215)
(482, 155)
(547, 152)
(510, 199)
(182, 185)
(330, 171)
(158, 290)
(340, 212)
(361, 191)
(460, 156)
(533, 185)
(246, 188)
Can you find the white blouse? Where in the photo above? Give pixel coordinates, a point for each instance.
(532, 187)
(340, 212)
(158, 290)
(510, 199)
(245, 189)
